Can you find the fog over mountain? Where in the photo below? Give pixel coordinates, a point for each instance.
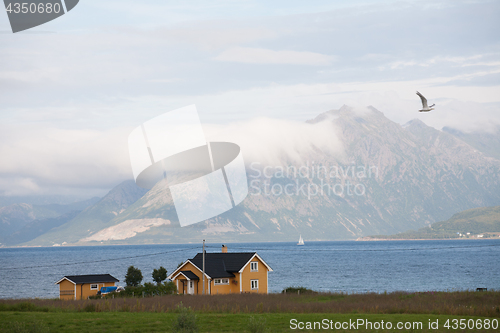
(367, 175)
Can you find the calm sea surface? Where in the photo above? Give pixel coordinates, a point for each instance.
(324, 266)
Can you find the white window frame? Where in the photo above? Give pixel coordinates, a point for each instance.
(252, 269)
(254, 284)
(96, 286)
(221, 281)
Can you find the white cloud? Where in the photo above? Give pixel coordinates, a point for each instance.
(458, 61)
(251, 55)
(18, 186)
(39, 160)
(213, 35)
(68, 97)
(466, 116)
(278, 141)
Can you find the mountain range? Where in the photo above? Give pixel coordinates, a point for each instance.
(388, 178)
(21, 222)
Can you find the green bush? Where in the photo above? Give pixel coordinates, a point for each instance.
(186, 320)
(257, 325)
(23, 307)
(149, 289)
(298, 290)
(90, 308)
(167, 288)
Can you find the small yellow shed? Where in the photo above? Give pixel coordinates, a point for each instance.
(83, 286)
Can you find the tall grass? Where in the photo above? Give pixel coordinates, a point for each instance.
(460, 303)
(257, 325)
(30, 327)
(186, 320)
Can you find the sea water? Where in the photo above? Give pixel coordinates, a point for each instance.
(340, 266)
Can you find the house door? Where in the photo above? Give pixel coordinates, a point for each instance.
(191, 287)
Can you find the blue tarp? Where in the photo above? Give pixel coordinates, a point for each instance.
(105, 290)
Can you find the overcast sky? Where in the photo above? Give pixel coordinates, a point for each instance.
(72, 90)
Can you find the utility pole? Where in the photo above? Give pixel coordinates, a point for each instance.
(203, 267)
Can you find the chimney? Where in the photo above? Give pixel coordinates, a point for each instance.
(224, 249)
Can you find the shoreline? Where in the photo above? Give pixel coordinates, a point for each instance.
(368, 239)
(359, 239)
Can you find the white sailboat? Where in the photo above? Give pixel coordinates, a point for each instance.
(301, 241)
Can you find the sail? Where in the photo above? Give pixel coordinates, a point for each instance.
(301, 241)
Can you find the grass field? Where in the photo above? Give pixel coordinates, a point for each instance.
(233, 313)
(76, 322)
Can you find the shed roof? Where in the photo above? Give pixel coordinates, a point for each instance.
(92, 278)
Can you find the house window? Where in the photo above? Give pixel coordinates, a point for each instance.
(254, 284)
(94, 286)
(221, 281)
(254, 266)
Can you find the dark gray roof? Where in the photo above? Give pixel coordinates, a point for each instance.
(220, 265)
(94, 278)
(190, 275)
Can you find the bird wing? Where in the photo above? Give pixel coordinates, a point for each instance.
(424, 100)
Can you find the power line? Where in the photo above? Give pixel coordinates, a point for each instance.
(363, 250)
(102, 260)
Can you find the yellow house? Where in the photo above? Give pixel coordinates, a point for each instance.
(225, 273)
(83, 286)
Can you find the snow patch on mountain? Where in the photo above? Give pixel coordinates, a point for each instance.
(126, 229)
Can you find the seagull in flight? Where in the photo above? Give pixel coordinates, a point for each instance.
(425, 108)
